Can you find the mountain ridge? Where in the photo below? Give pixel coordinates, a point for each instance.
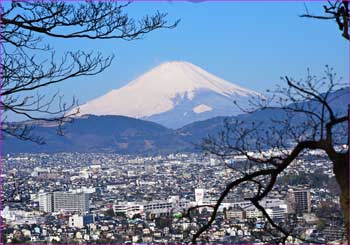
(125, 135)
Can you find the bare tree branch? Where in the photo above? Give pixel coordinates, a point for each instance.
(335, 10)
(265, 147)
(29, 64)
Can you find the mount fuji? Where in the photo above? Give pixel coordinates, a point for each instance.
(172, 94)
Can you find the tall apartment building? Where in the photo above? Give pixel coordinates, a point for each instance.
(46, 202)
(299, 201)
(64, 201)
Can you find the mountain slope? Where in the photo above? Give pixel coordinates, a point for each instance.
(109, 134)
(172, 94)
(194, 132)
(119, 134)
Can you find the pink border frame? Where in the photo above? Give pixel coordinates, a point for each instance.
(195, 1)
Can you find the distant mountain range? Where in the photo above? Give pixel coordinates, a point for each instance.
(102, 134)
(172, 94)
(125, 135)
(194, 132)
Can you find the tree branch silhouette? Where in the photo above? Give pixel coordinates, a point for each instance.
(29, 63)
(310, 122)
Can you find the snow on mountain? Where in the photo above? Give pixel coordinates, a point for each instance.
(202, 108)
(173, 94)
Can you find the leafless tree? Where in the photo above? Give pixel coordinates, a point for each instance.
(335, 10)
(29, 63)
(310, 121)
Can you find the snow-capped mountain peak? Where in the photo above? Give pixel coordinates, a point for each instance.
(181, 77)
(170, 87)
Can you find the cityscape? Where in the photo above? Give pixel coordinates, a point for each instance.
(108, 198)
(174, 122)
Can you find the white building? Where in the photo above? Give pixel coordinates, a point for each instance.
(80, 221)
(64, 201)
(276, 208)
(46, 202)
(8, 214)
(155, 208)
(199, 196)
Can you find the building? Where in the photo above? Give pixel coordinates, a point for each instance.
(302, 201)
(203, 197)
(235, 214)
(46, 202)
(276, 208)
(334, 234)
(64, 201)
(156, 208)
(199, 196)
(299, 201)
(278, 213)
(79, 221)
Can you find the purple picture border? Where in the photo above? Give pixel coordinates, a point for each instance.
(193, 1)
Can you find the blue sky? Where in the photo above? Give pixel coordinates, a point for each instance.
(251, 44)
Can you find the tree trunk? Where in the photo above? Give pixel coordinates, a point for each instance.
(341, 171)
